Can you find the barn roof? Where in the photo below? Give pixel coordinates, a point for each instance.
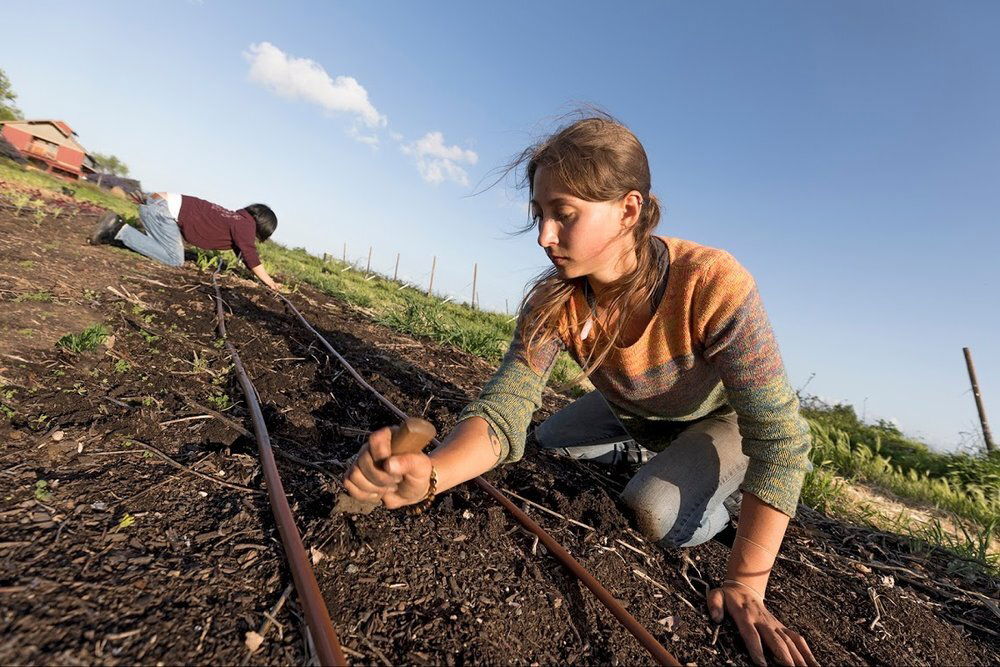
(57, 131)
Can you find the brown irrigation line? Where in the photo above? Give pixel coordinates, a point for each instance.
(324, 637)
(659, 653)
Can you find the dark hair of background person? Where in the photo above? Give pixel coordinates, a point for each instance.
(265, 218)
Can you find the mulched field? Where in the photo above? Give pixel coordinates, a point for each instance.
(134, 529)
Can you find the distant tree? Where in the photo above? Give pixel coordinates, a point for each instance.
(7, 96)
(109, 164)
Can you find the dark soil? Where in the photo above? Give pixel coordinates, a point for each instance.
(121, 558)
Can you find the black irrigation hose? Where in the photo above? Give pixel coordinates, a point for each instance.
(656, 650)
(324, 637)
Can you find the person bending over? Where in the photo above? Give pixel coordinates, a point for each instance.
(691, 388)
(170, 219)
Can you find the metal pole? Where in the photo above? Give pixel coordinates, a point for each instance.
(475, 270)
(345, 252)
(368, 269)
(395, 272)
(987, 436)
(430, 285)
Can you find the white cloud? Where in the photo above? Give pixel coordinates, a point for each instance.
(438, 162)
(357, 135)
(301, 78)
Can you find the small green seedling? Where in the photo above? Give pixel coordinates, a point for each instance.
(122, 366)
(42, 493)
(126, 521)
(220, 402)
(19, 200)
(88, 339)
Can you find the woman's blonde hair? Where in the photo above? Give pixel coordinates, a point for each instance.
(598, 159)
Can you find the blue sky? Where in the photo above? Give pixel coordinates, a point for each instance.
(848, 153)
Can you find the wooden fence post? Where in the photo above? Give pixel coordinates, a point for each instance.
(987, 436)
(430, 285)
(475, 271)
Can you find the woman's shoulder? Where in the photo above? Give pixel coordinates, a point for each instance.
(694, 256)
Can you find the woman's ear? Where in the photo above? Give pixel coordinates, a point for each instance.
(631, 209)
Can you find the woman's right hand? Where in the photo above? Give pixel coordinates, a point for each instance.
(377, 475)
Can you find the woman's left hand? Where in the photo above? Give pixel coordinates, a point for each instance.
(759, 627)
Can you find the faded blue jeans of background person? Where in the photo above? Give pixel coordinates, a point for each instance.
(680, 495)
(162, 240)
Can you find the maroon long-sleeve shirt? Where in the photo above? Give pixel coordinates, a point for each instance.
(213, 227)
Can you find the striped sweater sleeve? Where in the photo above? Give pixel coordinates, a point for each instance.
(509, 399)
(738, 341)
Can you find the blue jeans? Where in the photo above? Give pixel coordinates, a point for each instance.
(162, 240)
(678, 495)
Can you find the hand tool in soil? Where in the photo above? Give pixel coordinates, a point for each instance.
(409, 437)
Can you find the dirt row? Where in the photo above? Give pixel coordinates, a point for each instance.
(133, 527)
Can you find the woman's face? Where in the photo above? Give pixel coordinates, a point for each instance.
(581, 238)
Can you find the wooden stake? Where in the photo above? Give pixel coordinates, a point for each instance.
(475, 270)
(395, 272)
(987, 436)
(368, 269)
(430, 285)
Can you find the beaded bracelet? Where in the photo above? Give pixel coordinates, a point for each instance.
(419, 507)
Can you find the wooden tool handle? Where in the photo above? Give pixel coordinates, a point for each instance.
(412, 436)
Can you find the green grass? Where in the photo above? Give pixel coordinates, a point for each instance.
(88, 339)
(966, 485)
(38, 296)
(970, 544)
(83, 191)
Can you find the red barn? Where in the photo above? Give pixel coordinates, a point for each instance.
(50, 145)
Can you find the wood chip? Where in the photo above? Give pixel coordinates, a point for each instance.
(253, 641)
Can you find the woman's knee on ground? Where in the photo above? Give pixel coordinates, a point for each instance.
(661, 516)
(655, 506)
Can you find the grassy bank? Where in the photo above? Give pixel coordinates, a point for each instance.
(83, 191)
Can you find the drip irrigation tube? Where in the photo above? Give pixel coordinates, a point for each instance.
(655, 649)
(323, 635)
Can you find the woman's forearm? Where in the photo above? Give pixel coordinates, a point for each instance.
(264, 276)
(468, 451)
(758, 539)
